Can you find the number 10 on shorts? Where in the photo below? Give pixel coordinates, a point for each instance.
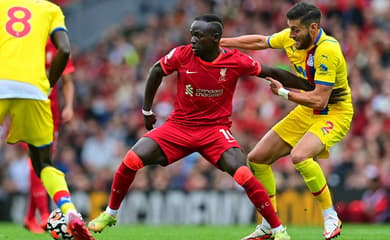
(228, 135)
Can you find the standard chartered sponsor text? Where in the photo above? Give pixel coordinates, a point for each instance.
(208, 92)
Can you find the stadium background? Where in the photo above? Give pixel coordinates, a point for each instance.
(114, 44)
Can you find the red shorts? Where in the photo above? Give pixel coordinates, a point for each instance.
(177, 141)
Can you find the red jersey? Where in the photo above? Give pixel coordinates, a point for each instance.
(55, 106)
(205, 89)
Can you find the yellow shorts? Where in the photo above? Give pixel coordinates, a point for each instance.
(31, 121)
(330, 129)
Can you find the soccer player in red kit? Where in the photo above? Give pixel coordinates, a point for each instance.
(38, 199)
(200, 122)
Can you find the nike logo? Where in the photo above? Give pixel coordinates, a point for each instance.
(189, 72)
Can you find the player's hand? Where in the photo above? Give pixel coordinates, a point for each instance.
(67, 114)
(337, 95)
(149, 121)
(274, 85)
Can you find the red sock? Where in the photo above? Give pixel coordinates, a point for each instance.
(123, 178)
(257, 194)
(38, 195)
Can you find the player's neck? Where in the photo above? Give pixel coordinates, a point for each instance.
(212, 55)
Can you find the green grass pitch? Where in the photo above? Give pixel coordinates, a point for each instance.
(10, 231)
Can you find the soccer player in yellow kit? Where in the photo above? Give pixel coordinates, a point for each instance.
(314, 126)
(24, 89)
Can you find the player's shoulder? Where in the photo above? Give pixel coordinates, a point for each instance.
(327, 42)
(232, 52)
(182, 50)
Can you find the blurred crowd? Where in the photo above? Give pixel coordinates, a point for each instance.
(110, 79)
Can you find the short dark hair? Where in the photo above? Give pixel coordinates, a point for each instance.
(305, 12)
(217, 24)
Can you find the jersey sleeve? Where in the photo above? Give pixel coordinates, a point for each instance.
(170, 62)
(58, 19)
(249, 66)
(279, 39)
(326, 59)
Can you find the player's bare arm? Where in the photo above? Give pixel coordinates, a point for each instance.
(287, 78)
(316, 99)
(290, 80)
(153, 81)
(249, 42)
(61, 41)
(68, 93)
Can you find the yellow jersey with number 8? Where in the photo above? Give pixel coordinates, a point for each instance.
(25, 26)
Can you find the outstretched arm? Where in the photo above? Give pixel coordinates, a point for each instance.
(61, 42)
(153, 81)
(287, 78)
(250, 42)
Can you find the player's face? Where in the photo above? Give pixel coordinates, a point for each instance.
(301, 34)
(202, 40)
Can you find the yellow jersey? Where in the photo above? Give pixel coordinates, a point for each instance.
(322, 63)
(25, 26)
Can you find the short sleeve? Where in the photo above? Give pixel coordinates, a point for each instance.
(58, 19)
(325, 62)
(279, 39)
(169, 62)
(249, 66)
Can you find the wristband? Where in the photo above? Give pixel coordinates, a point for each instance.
(283, 93)
(147, 113)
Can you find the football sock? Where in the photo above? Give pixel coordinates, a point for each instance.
(112, 212)
(55, 184)
(38, 196)
(123, 178)
(277, 229)
(257, 194)
(263, 173)
(316, 182)
(329, 212)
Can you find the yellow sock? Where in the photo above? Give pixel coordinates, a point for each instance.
(55, 184)
(263, 173)
(316, 182)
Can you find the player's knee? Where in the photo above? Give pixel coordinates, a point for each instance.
(133, 161)
(257, 157)
(242, 175)
(298, 156)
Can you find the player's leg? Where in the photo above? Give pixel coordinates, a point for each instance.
(145, 152)
(37, 200)
(233, 161)
(268, 150)
(322, 135)
(35, 127)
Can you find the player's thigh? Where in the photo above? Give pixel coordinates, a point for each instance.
(231, 160)
(31, 122)
(149, 151)
(269, 149)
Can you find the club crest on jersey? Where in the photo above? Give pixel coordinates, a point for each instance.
(222, 76)
(310, 60)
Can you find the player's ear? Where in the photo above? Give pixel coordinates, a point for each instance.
(217, 36)
(313, 26)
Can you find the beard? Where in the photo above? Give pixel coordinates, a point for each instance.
(305, 42)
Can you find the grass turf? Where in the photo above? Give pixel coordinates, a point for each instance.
(9, 231)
